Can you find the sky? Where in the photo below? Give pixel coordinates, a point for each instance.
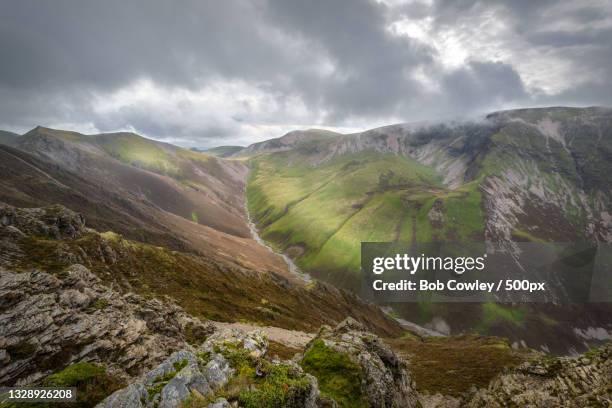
(202, 73)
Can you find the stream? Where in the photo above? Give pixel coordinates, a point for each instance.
(293, 268)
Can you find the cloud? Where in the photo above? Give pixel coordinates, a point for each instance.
(208, 72)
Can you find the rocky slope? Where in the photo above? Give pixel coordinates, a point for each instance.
(345, 366)
(50, 321)
(585, 381)
(33, 239)
(67, 324)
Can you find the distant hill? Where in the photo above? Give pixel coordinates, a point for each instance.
(8, 138)
(303, 140)
(221, 151)
(192, 185)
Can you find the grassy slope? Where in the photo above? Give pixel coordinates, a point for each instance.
(329, 228)
(140, 152)
(452, 365)
(202, 286)
(193, 185)
(329, 209)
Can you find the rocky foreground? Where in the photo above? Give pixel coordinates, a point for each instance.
(65, 326)
(345, 365)
(349, 367)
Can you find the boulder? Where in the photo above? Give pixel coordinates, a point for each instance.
(385, 379)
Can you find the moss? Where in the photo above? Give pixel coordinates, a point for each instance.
(100, 304)
(197, 400)
(162, 380)
(203, 357)
(21, 350)
(179, 365)
(92, 382)
(279, 386)
(339, 377)
(238, 357)
(42, 254)
(257, 382)
(74, 374)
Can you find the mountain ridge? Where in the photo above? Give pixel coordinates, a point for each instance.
(529, 175)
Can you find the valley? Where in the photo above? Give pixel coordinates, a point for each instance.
(534, 175)
(126, 251)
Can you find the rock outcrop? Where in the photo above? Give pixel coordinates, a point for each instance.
(385, 379)
(49, 321)
(54, 221)
(583, 381)
(231, 368)
(227, 366)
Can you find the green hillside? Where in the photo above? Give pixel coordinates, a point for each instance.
(320, 214)
(524, 175)
(535, 175)
(150, 155)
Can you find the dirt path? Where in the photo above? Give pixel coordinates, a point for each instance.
(290, 338)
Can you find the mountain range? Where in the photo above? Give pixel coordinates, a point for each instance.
(270, 234)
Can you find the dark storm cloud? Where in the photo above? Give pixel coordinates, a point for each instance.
(273, 64)
(471, 87)
(369, 63)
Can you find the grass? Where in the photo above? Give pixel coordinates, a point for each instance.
(201, 286)
(338, 376)
(283, 352)
(496, 314)
(329, 209)
(140, 152)
(257, 383)
(452, 365)
(91, 381)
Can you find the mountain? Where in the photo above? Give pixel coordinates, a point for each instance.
(191, 185)
(302, 139)
(532, 175)
(223, 151)
(54, 167)
(177, 216)
(130, 269)
(535, 175)
(8, 138)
